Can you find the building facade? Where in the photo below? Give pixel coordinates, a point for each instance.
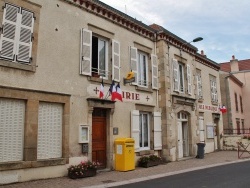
(51, 113)
(234, 76)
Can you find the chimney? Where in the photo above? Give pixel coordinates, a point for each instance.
(234, 64)
(203, 54)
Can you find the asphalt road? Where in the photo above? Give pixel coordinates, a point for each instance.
(235, 175)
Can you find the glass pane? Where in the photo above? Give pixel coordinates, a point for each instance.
(141, 131)
(101, 55)
(145, 128)
(181, 78)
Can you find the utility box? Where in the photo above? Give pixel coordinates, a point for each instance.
(124, 154)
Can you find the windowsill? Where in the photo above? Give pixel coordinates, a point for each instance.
(15, 65)
(99, 80)
(200, 100)
(144, 89)
(214, 103)
(31, 164)
(145, 152)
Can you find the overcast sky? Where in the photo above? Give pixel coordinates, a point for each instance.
(224, 24)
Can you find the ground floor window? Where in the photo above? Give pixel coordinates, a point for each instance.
(144, 130)
(12, 117)
(49, 144)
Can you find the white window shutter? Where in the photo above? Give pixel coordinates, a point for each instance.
(215, 92)
(12, 117)
(189, 79)
(157, 131)
(135, 130)
(24, 44)
(9, 34)
(86, 52)
(49, 138)
(199, 86)
(175, 75)
(154, 71)
(133, 63)
(116, 61)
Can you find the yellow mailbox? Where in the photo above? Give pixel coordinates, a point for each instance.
(124, 154)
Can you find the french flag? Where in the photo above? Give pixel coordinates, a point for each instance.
(101, 94)
(117, 93)
(223, 109)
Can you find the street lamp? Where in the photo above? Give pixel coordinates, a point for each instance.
(197, 39)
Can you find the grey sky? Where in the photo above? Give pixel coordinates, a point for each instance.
(224, 24)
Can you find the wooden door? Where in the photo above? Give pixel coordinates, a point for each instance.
(99, 140)
(185, 139)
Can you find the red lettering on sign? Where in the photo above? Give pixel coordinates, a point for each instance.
(137, 97)
(127, 95)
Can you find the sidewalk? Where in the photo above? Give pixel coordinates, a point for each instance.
(115, 178)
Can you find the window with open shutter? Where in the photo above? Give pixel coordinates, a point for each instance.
(116, 61)
(86, 52)
(175, 75)
(133, 63)
(189, 80)
(154, 71)
(9, 34)
(157, 131)
(12, 117)
(49, 144)
(135, 129)
(24, 45)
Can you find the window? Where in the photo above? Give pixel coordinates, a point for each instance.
(179, 79)
(49, 144)
(94, 58)
(199, 85)
(140, 66)
(241, 105)
(144, 130)
(238, 125)
(243, 126)
(12, 117)
(142, 69)
(236, 102)
(99, 56)
(213, 86)
(140, 130)
(17, 34)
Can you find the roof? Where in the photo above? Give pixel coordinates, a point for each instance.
(243, 65)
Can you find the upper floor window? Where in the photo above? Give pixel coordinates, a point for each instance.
(199, 84)
(241, 105)
(236, 102)
(94, 56)
(142, 69)
(139, 64)
(213, 86)
(17, 34)
(179, 77)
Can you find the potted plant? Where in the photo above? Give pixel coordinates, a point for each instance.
(149, 160)
(82, 170)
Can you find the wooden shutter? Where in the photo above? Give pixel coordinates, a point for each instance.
(86, 52)
(157, 131)
(49, 139)
(133, 63)
(116, 61)
(175, 75)
(12, 116)
(201, 129)
(24, 44)
(189, 80)
(9, 35)
(199, 87)
(154, 71)
(215, 92)
(135, 130)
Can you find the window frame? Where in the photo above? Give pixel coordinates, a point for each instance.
(213, 89)
(181, 77)
(142, 68)
(236, 102)
(35, 10)
(142, 130)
